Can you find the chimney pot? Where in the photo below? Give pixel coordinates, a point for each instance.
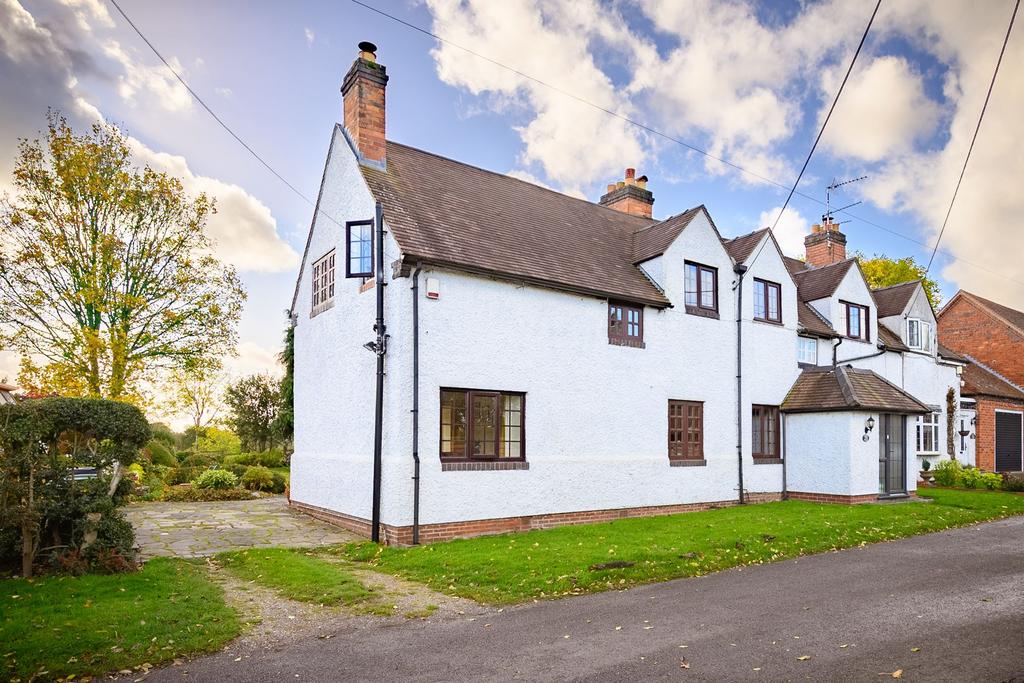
(629, 195)
(630, 173)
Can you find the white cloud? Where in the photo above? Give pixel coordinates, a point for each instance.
(883, 110)
(243, 228)
(571, 142)
(163, 88)
(252, 359)
(310, 36)
(790, 230)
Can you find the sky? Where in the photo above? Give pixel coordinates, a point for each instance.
(745, 82)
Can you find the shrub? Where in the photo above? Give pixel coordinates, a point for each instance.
(237, 470)
(243, 459)
(216, 479)
(199, 460)
(186, 493)
(159, 454)
(271, 458)
(182, 475)
(258, 478)
(947, 473)
(926, 465)
(1013, 482)
(280, 483)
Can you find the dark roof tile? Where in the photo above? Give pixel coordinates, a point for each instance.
(812, 322)
(891, 339)
(452, 214)
(894, 299)
(820, 390)
(818, 283)
(979, 380)
(653, 240)
(740, 248)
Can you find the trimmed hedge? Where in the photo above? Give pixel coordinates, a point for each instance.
(186, 493)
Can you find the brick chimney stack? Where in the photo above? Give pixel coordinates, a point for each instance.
(630, 195)
(825, 245)
(362, 93)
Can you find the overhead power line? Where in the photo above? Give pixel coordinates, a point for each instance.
(205, 106)
(981, 117)
(821, 131)
(665, 136)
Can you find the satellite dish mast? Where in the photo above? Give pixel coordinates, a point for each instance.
(832, 187)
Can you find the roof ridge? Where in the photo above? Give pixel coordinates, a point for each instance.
(519, 180)
(898, 284)
(987, 305)
(748, 234)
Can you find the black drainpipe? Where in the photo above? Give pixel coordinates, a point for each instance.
(380, 348)
(785, 436)
(835, 348)
(740, 269)
(881, 350)
(416, 405)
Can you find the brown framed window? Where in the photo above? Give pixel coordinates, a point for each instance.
(323, 283)
(625, 324)
(685, 430)
(701, 289)
(482, 425)
(767, 301)
(764, 430)
(858, 321)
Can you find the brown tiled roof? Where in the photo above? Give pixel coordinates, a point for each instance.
(653, 240)
(950, 354)
(890, 339)
(794, 265)
(821, 390)
(979, 380)
(894, 299)
(810, 321)
(741, 247)
(1010, 316)
(451, 214)
(818, 283)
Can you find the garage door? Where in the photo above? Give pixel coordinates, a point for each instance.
(1008, 441)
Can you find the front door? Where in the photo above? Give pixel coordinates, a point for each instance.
(892, 454)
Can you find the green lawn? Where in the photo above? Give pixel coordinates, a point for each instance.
(57, 626)
(559, 562)
(296, 575)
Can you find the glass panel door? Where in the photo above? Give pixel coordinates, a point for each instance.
(892, 454)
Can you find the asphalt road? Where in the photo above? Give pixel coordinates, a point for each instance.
(859, 614)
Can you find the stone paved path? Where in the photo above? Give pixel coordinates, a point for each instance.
(198, 529)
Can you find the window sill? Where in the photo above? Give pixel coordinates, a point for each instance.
(765, 321)
(484, 466)
(320, 308)
(632, 343)
(767, 461)
(367, 286)
(702, 312)
(680, 462)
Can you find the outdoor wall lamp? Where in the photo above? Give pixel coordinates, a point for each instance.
(869, 425)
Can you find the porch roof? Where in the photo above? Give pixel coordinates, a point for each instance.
(845, 388)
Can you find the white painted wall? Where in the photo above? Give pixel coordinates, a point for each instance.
(334, 375)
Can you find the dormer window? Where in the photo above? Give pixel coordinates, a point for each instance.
(701, 290)
(919, 334)
(767, 301)
(857, 321)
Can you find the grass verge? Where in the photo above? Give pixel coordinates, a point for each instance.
(54, 627)
(583, 559)
(296, 575)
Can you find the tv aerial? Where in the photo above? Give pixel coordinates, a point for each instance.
(832, 187)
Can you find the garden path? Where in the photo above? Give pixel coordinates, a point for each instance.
(200, 529)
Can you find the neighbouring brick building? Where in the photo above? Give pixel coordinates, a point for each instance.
(991, 336)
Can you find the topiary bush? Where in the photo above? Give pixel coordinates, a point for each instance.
(182, 475)
(258, 478)
(159, 454)
(216, 479)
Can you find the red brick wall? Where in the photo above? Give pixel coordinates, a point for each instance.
(430, 533)
(364, 117)
(632, 206)
(833, 498)
(967, 329)
(985, 430)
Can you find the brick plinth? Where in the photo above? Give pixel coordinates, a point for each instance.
(430, 533)
(833, 498)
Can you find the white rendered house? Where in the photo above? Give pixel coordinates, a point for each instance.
(549, 360)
